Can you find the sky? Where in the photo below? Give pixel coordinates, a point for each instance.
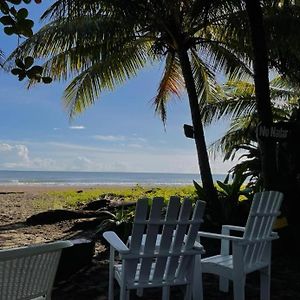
(120, 132)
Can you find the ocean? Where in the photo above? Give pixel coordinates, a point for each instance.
(51, 178)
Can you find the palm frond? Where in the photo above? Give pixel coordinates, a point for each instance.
(105, 74)
(1, 58)
(71, 9)
(208, 90)
(241, 131)
(171, 83)
(222, 59)
(238, 100)
(61, 35)
(282, 24)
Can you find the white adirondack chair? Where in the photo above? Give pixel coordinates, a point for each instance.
(29, 272)
(162, 250)
(250, 252)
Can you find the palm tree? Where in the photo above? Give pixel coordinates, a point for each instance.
(238, 104)
(261, 80)
(282, 27)
(103, 43)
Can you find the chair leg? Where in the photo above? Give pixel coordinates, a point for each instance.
(197, 283)
(139, 292)
(188, 292)
(165, 293)
(265, 282)
(111, 289)
(223, 284)
(111, 274)
(124, 293)
(239, 288)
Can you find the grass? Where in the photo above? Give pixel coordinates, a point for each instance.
(72, 198)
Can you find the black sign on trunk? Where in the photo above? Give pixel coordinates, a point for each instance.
(278, 131)
(188, 131)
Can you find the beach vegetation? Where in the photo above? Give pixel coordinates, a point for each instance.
(232, 192)
(119, 221)
(73, 198)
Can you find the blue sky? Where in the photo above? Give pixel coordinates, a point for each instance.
(119, 133)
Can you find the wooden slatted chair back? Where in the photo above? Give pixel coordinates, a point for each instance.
(29, 272)
(263, 213)
(168, 236)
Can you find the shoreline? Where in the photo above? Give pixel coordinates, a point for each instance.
(45, 188)
(15, 188)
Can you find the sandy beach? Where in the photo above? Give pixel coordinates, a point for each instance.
(17, 203)
(39, 188)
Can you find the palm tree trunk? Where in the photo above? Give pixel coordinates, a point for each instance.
(203, 161)
(262, 90)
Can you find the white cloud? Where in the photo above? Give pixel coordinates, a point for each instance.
(132, 158)
(109, 138)
(77, 127)
(127, 141)
(5, 147)
(77, 147)
(17, 157)
(138, 139)
(135, 146)
(84, 159)
(23, 152)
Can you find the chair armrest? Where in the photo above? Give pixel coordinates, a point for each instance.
(198, 246)
(232, 227)
(218, 236)
(115, 242)
(274, 235)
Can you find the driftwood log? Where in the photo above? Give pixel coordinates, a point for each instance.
(91, 210)
(58, 215)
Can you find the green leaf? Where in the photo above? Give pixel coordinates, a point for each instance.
(16, 71)
(4, 7)
(223, 186)
(26, 23)
(20, 63)
(22, 13)
(7, 20)
(36, 70)
(28, 62)
(32, 75)
(9, 30)
(21, 77)
(226, 180)
(13, 11)
(16, 2)
(199, 190)
(47, 80)
(27, 32)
